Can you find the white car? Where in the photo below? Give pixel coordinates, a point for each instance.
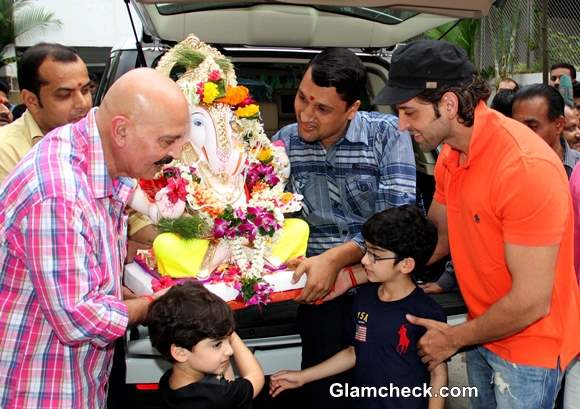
(270, 44)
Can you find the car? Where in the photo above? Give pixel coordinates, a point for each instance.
(270, 44)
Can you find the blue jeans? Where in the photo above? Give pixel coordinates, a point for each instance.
(504, 385)
(572, 388)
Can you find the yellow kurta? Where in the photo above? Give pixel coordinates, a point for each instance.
(16, 139)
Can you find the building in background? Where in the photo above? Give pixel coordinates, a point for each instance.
(91, 27)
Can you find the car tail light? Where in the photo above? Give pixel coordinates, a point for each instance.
(147, 386)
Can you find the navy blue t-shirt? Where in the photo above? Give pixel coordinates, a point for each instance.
(386, 345)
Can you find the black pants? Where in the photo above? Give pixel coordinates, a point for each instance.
(324, 330)
(117, 392)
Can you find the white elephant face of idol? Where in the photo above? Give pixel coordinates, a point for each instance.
(211, 137)
(202, 131)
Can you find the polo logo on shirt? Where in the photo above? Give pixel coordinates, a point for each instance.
(404, 341)
(476, 218)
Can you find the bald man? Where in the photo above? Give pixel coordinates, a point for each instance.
(62, 243)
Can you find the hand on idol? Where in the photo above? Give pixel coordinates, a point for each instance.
(320, 276)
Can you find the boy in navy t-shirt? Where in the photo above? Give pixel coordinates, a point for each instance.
(388, 372)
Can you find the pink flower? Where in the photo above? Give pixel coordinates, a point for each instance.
(199, 89)
(220, 228)
(239, 213)
(214, 75)
(248, 230)
(176, 189)
(262, 291)
(247, 101)
(263, 172)
(263, 219)
(161, 283)
(252, 179)
(238, 285)
(254, 300)
(271, 179)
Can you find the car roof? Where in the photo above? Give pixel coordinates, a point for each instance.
(322, 23)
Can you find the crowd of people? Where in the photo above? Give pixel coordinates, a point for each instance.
(506, 212)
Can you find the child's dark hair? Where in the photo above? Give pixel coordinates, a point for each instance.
(403, 230)
(185, 315)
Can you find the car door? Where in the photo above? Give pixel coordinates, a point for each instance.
(320, 23)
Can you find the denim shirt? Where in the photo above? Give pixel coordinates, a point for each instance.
(368, 170)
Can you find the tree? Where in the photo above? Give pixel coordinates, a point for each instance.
(18, 18)
(462, 34)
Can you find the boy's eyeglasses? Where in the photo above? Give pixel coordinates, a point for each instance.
(373, 258)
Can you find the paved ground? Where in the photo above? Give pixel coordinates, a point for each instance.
(457, 377)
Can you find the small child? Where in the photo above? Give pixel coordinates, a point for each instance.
(194, 329)
(398, 241)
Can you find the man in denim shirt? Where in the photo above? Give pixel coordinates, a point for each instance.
(348, 165)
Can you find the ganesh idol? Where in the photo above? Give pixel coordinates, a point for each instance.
(222, 203)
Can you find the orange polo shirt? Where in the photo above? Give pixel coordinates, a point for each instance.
(512, 189)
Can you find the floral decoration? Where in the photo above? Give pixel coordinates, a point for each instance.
(250, 229)
(248, 111)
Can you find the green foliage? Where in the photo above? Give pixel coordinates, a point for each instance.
(28, 17)
(228, 214)
(563, 47)
(188, 58)
(535, 66)
(19, 17)
(224, 64)
(463, 34)
(248, 285)
(504, 50)
(6, 23)
(487, 73)
(188, 227)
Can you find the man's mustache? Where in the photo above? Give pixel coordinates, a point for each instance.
(166, 160)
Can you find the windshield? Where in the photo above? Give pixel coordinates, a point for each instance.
(383, 15)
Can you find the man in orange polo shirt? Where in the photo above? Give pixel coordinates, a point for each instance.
(503, 207)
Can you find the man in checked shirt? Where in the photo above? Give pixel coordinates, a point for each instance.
(63, 242)
(348, 165)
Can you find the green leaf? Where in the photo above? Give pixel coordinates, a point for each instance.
(221, 88)
(188, 58)
(247, 290)
(20, 17)
(188, 227)
(224, 64)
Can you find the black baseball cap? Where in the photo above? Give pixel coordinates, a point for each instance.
(421, 65)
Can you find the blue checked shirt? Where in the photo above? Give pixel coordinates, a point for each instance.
(372, 168)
